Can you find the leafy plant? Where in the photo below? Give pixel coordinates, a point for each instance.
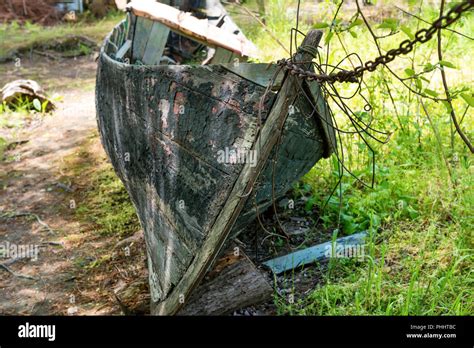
(419, 257)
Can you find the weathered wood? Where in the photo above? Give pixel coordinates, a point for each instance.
(156, 44)
(140, 37)
(222, 56)
(123, 50)
(187, 25)
(324, 117)
(233, 283)
(163, 128)
(202, 109)
(124, 31)
(315, 253)
(131, 20)
(171, 173)
(228, 215)
(260, 73)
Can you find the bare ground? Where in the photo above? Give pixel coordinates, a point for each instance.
(67, 276)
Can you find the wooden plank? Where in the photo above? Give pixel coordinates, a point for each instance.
(197, 29)
(324, 117)
(313, 254)
(233, 283)
(259, 73)
(156, 44)
(123, 29)
(132, 20)
(222, 227)
(112, 42)
(222, 55)
(204, 109)
(123, 50)
(140, 38)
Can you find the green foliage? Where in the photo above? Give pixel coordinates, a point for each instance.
(468, 98)
(389, 23)
(24, 105)
(419, 258)
(3, 107)
(447, 64)
(15, 37)
(3, 145)
(407, 31)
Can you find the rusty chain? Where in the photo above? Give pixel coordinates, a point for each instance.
(421, 36)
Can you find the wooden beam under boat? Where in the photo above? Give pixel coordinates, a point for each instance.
(234, 283)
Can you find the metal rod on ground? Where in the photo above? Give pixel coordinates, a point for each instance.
(315, 253)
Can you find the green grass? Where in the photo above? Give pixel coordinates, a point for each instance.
(15, 37)
(419, 259)
(417, 264)
(107, 205)
(18, 114)
(24, 105)
(104, 203)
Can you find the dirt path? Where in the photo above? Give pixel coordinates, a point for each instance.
(46, 250)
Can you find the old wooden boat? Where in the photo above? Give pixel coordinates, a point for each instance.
(175, 135)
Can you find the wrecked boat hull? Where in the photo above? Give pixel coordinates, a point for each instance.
(182, 140)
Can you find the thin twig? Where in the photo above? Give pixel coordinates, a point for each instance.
(446, 90)
(263, 25)
(425, 21)
(375, 38)
(18, 275)
(20, 214)
(25, 11)
(438, 140)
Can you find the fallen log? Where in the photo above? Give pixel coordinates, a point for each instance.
(233, 283)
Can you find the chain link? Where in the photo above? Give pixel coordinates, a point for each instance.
(421, 36)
